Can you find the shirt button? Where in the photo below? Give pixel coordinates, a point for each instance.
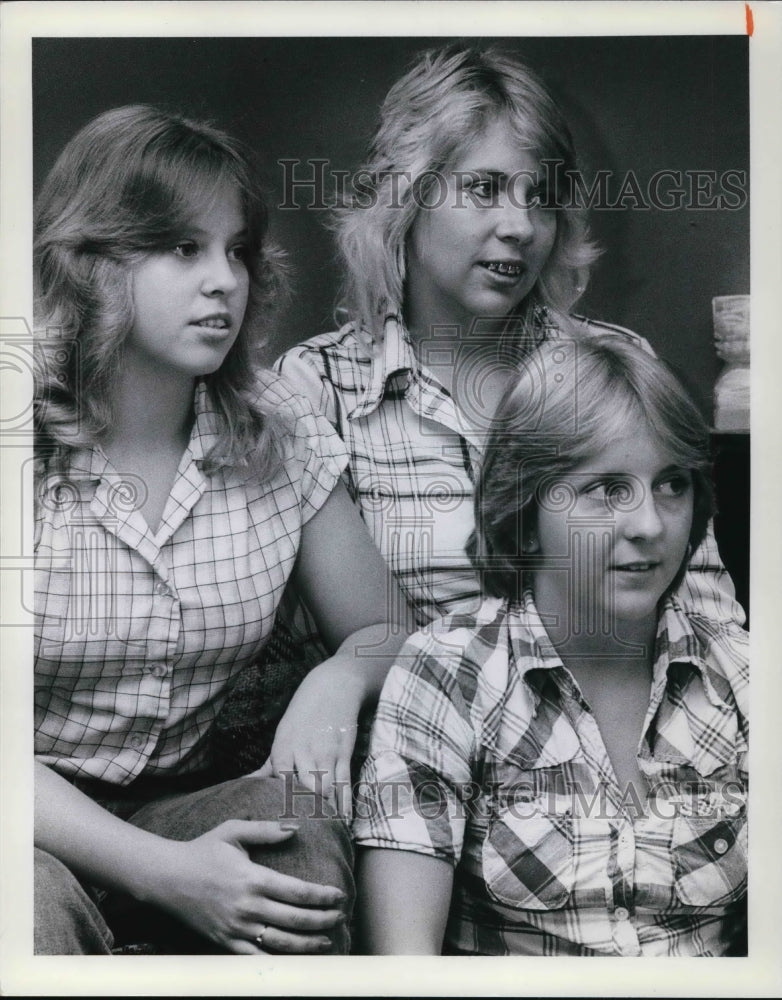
(720, 845)
(161, 589)
(158, 670)
(136, 742)
(621, 913)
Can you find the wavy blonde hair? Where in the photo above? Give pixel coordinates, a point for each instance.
(126, 185)
(447, 98)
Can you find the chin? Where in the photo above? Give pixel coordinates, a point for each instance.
(209, 366)
(632, 611)
(635, 615)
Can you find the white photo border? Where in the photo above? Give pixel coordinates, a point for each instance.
(22, 974)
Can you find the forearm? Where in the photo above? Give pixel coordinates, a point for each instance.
(92, 842)
(365, 658)
(210, 882)
(403, 902)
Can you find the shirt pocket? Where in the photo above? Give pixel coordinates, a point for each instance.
(710, 858)
(528, 859)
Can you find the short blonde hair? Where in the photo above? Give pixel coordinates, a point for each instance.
(568, 401)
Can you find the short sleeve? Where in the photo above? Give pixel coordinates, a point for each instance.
(415, 787)
(314, 454)
(298, 368)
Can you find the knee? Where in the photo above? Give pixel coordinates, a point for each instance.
(275, 799)
(321, 849)
(285, 800)
(322, 843)
(67, 920)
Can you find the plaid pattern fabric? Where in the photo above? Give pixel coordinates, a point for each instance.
(484, 754)
(412, 458)
(139, 635)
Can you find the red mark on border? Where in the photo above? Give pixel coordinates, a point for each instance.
(750, 21)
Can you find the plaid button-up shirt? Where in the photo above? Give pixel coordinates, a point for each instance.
(413, 455)
(484, 754)
(139, 633)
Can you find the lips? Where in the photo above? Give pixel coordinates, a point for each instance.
(635, 567)
(507, 268)
(217, 321)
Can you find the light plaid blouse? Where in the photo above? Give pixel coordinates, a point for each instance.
(413, 456)
(485, 755)
(140, 634)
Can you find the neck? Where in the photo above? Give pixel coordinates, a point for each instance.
(615, 638)
(621, 642)
(425, 322)
(152, 407)
(458, 360)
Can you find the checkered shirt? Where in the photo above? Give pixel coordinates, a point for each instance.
(484, 754)
(139, 634)
(413, 456)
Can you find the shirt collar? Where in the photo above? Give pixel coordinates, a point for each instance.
(677, 643)
(205, 430)
(394, 356)
(530, 642)
(532, 659)
(532, 651)
(90, 464)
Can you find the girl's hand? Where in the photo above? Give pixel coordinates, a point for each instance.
(211, 884)
(316, 736)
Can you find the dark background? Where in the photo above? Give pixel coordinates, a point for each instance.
(637, 104)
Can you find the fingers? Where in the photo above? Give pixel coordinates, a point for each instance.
(316, 779)
(275, 940)
(343, 786)
(299, 919)
(255, 831)
(266, 770)
(281, 928)
(239, 946)
(322, 767)
(325, 769)
(295, 892)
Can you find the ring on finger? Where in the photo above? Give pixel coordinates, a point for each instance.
(259, 936)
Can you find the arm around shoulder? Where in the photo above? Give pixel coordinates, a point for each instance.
(363, 618)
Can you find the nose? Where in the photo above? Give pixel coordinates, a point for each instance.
(515, 221)
(219, 276)
(643, 522)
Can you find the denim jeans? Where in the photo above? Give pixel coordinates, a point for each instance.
(72, 918)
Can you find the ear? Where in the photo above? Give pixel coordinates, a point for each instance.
(531, 543)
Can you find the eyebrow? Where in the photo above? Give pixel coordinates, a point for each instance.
(609, 474)
(493, 172)
(198, 231)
